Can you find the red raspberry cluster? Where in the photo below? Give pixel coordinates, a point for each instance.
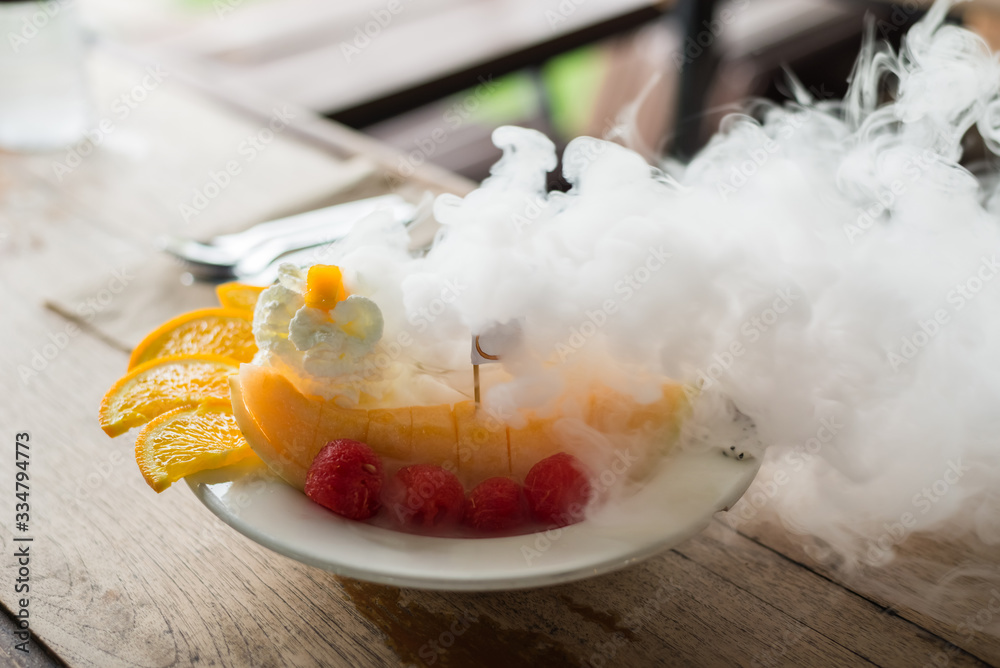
(347, 477)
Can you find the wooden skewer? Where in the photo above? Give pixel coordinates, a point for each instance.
(475, 382)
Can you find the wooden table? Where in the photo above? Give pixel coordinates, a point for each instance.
(123, 577)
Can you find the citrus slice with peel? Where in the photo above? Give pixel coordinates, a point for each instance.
(208, 331)
(188, 440)
(238, 295)
(163, 384)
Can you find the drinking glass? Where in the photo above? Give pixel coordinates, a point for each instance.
(43, 96)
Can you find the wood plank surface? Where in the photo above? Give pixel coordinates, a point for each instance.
(896, 584)
(125, 577)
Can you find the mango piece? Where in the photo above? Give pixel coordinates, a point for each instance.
(482, 445)
(324, 287)
(434, 440)
(390, 432)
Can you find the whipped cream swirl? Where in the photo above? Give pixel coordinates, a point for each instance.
(327, 353)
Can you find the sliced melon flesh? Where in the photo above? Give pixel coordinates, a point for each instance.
(286, 419)
(392, 430)
(663, 415)
(336, 422)
(287, 429)
(650, 430)
(613, 412)
(482, 445)
(531, 444)
(434, 438)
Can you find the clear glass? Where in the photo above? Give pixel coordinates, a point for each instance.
(43, 96)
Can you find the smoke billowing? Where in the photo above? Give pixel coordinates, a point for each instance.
(830, 266)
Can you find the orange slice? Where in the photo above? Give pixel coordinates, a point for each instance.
(160, 385)
(238, 295)
(187, 440)
(209, 331)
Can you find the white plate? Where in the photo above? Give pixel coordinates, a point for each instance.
(675, 505)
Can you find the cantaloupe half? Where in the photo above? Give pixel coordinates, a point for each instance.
(287, 428)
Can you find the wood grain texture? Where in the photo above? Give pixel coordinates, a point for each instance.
(908, 584)
(124, 577)
(36, 656)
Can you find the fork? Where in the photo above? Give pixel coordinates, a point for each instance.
(250, 253)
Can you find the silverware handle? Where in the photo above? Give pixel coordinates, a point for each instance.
(260, 256)
(241, 243)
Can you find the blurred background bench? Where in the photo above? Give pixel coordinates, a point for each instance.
(433, 78)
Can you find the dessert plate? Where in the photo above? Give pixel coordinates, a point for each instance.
(675, 504)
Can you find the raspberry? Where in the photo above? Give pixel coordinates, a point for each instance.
(557, 490)
(496, 504)
(346, 477)
(425, 496)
